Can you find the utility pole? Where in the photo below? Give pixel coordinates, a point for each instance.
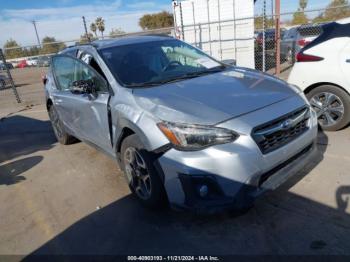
(86, 31)
(278, 36)
(36, 32)
(264, 38)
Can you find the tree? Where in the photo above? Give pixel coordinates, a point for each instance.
(51, 46)
(303, 4)
(15, 51)
(93, 28)
(31, 51)
(299, 18)
(158, 20)
(337, 9)
(84, 39)
(258, 21)
(100, 23)
(115, 32)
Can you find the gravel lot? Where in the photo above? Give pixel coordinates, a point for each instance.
(74, 200)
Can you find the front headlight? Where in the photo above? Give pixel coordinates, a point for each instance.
(195, 137)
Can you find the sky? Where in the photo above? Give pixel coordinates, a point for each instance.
(62, 18)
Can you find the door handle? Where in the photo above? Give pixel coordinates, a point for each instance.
(347, 60)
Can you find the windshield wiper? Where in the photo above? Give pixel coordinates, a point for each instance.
(208, 71)
(179, 78)
(145, 84)
(193, 75)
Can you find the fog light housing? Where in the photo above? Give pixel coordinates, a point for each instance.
(203, 190)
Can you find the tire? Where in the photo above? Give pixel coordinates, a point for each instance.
(289, 57)
(137, 165)
(62, 136)
(2, 84)
(330, 101)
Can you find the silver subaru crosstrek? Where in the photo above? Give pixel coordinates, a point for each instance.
(185, 129)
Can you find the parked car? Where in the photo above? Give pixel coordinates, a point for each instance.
(270, 39)
(43, 61)
(2, 66)
(4, 81)
(296, 38)
(183, 127)
(14, 63)
(22, 64)
(32, 61)
(322, 70)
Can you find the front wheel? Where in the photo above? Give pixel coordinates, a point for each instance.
(143, 179)
(2, 84)
(332, 106)
(62, 136)
(289, 57)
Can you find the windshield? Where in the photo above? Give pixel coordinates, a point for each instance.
(157, 62)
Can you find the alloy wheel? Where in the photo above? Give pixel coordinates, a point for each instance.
(137, 173)
(329, 108)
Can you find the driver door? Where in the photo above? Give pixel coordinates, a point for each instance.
(85, 115)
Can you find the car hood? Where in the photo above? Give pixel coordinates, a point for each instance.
(213, 98)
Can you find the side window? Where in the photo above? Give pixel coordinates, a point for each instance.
(291, 33)
(63, 69)
(90, 60)
(67, 70)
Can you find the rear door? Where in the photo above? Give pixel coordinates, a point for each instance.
(85, 115)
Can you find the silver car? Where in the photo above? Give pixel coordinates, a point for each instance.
(185, 129)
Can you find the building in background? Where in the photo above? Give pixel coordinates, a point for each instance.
(221, 28)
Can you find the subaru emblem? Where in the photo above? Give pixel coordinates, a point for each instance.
(287, 124)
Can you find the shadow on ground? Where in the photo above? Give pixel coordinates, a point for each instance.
(10, 173)
(21, 135)
(280, 223)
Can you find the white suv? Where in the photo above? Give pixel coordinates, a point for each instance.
(322, 71)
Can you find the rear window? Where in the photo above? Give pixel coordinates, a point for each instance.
(310, 31)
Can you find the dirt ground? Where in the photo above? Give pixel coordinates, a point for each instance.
(74, 200)
(29, 87)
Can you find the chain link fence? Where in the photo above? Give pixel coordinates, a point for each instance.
(297, 29)
(225, 31)
(6, 81)
(226, 39)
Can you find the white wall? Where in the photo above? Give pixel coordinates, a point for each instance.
(237, 33)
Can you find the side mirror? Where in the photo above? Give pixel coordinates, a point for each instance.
(84, 87)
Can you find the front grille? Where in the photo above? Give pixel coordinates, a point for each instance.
(279, 132)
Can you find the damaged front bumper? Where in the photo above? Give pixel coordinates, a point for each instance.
(232, 176)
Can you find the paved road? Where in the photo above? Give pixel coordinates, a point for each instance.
(73, 199)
